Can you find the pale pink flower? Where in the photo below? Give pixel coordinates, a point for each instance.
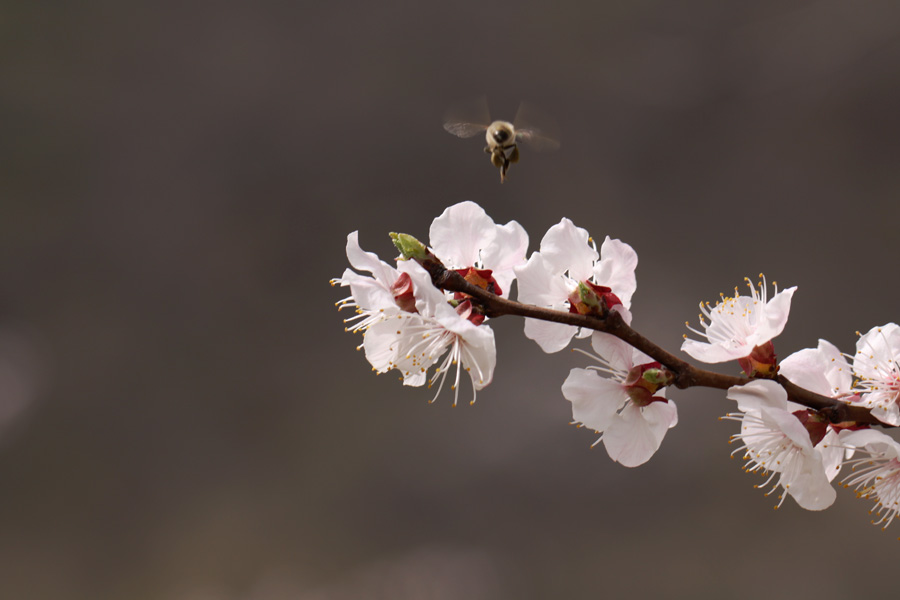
(630, 412)
(776, 442)
(568, 257)
(738, 324)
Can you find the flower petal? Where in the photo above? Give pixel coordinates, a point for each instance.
(635, 434)
(822, 370)
(616, 269)
(538, 283)
(551, 337)
(594, 399)
(369, 261)
(368, 293)
(777, 311)
(809, 485)
(506, 252)
(617, 353)
(715, 353)
(832, 454)
(460, 233)
(566, 248)
(876, 347)
(759, 394)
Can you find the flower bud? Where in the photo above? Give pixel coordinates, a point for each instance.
(409, 246)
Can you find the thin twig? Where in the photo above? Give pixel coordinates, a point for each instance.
(686, 375)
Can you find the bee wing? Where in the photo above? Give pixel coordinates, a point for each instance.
(535, 128)
(468, 119)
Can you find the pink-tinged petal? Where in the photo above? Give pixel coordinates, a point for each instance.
(368, 293)
(368, 261)
(551, 337)
(809, 485)
(460, 233)
(614, 351)
(878, 346)
(594, 399)
(616, 269)
(823, 370)
(566, 248)
(506, 252)
(806, 369)
(777, 311)
(871, 439)
(478, 354)
(760, 394)
(635, 434)
(715, 353)
(538, 284)
(887, 413)
(838, 371)
(832, 452)
(789, 425)
(383, 340)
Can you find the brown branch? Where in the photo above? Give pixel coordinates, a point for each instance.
(686, 375)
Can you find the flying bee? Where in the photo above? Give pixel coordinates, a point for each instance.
(503, 137)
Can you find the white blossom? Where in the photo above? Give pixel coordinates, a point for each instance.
(631, 414)
(736, 325)
(774, 441)
(875, 365)
(566, 258)
(465, 237)
(876, 475)
(409, 325)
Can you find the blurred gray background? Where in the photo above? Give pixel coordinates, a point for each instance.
(182, 416)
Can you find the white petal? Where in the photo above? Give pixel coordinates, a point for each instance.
(388, 344)
(822, 370)
(616, 269)
(566, 248)
(832, 452)
(777, 311)
(872, 440)
(594, 399)
(789, 425)
(551, 337)
(806, 368)
(715, 353)
(538, 284)
(809, 485)
(887, 413)
(368, 293)
(368, 261)
(635, 435)
(617, 353)
(479, 355)
(506, 252)
(759, 394)
(838, 370)
(460, 233)
(878, 347)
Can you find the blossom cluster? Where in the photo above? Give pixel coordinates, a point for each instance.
(427, 333)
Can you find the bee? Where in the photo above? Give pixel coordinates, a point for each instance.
(503, 137)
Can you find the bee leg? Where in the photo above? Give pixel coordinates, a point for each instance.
(514, 155)
(503, 169)
(498, 160)
(487, 150)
